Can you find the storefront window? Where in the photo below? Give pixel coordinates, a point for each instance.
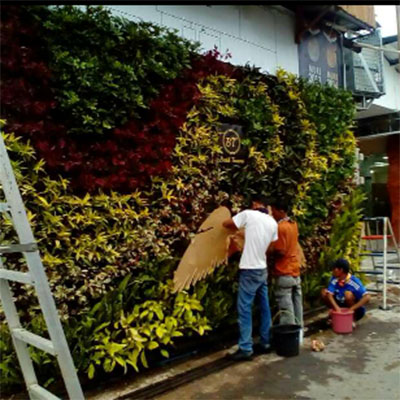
(374, 169)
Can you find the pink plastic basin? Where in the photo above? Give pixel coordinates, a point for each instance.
(342, 322)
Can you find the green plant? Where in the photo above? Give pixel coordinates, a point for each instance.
(107, 69)
(10, 370)
(343, 241)
(151, 325)
(335, 145)
(345, 234)
(110, 256)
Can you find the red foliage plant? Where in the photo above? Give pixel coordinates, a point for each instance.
(26, 97)
(122, 160)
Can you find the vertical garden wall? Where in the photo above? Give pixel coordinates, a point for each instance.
(113, 130)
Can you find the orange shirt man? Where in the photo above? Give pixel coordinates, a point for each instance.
(287, 266)
(288, 257)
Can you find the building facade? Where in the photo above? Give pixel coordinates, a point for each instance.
(320, 43)
(261, 36)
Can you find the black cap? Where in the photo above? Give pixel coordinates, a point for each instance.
(341, 263)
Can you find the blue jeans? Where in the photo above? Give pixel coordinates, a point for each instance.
(253, 283)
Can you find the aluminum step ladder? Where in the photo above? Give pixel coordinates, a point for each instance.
(378, 234)
(57, 345)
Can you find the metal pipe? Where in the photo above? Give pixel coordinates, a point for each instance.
(370, 137)
(371, 47)
(344, 29)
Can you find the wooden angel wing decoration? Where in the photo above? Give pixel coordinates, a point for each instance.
(208, 249)
(302, 258)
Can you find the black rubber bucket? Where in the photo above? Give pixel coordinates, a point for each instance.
(286, 339)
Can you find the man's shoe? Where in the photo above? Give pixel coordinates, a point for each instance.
(262, 348)
(241, 355)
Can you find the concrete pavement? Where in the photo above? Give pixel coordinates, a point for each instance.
(358, 366)
(363, 365)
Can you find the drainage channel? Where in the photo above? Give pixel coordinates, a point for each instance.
(158, 388)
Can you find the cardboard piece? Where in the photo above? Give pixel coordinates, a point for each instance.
(208, 249)
(211, 247)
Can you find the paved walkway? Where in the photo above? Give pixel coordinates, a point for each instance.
(364, 365)
(359, 366)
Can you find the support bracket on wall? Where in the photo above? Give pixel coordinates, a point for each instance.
(303, 25)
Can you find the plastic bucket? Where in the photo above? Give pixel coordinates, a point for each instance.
(286, 339)
(342, 322)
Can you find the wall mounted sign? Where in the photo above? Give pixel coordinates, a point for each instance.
(231, 141)
(320, 57)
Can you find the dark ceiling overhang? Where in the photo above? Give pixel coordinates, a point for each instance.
(311, 17)
(372, 133)
(382, 125)
(350, 21)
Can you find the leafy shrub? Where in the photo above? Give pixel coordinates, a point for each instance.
(344, 238)
(132, 59)
(117, 176)
(343, 241)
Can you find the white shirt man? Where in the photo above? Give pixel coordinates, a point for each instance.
(260, 230)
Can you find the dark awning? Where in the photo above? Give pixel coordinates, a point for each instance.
(331, 13)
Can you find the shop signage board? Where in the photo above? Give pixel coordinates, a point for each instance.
(231, 141)
(321, 57)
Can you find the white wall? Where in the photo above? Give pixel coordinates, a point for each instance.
(258, 35)
(391, 99)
